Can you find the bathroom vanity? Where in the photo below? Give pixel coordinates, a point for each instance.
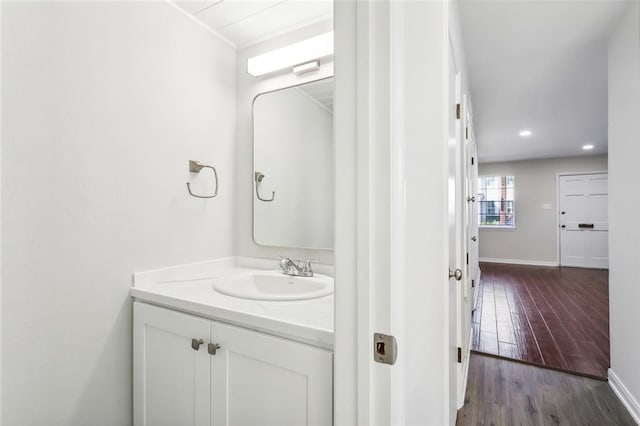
(235, 341)
(202, 357)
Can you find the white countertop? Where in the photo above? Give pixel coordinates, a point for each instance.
(187, 288)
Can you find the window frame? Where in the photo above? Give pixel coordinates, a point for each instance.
(512, 200)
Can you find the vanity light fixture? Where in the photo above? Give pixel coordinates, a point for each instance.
(298, 54)
(587, 147)
(308, 67)
(525, 133)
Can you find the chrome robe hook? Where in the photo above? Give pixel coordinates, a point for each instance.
(258, 178)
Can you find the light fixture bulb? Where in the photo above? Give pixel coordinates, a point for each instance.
(525, 133)
(587, 147)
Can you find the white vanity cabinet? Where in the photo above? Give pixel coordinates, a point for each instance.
(252, 379)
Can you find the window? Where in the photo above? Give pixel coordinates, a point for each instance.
(496, 202)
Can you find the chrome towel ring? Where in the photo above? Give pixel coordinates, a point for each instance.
(196, 167)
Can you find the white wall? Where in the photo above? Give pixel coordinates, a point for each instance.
(624, 175)
(293, 147)
(1, 216)
(465, 173)
(535, 236)
(419, 179)
(103, 105)
(248, 87)
(426, 245)
(460, 58)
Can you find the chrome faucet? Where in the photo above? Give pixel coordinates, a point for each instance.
(296, 268)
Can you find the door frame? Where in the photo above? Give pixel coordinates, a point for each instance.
(457, 243)
(391, 247)
(558, 176)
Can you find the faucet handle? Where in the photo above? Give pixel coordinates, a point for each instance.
(307, 265)
(284, 262)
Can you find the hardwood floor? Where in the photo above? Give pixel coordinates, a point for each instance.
(555, 317)
(502, 392)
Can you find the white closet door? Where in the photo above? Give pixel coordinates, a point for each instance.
(584, 221)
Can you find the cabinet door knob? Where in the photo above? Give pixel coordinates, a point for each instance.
(212, 348)
(195, 344)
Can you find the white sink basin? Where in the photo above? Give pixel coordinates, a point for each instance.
(272, 285)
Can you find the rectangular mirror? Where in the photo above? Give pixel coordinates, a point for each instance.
(293, 166)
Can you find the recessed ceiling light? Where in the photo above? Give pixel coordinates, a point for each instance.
(587, 147)
(525, 133)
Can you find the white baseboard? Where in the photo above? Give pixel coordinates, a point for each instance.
(627, 399)
(519, 262)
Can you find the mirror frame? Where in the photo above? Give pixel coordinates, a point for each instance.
(253, 168)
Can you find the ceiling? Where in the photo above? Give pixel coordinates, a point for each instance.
(541, 66)
(320, 91)
(244, 22)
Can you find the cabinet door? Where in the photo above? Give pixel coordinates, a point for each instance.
(262, 380)
(170, 378)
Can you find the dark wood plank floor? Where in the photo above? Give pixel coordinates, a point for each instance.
(502, 392)
(555, 317)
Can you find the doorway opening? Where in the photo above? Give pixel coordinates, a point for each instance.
(540, 90)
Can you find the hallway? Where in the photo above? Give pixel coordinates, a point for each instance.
(502, 392)
(556, 317)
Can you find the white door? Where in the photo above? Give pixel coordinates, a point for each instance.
(171, 377)
(456, 232)
(584, 226)
(472, 234)
(261, 380)
(469, 245)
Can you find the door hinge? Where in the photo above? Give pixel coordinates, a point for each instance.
(467, 258)
(460, 355)
(472, 159)
(466, 133)
(458, 111)
(473, 283)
